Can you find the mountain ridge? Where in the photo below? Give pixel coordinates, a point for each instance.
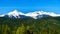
(40, 14)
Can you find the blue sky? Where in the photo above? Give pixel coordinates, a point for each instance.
(29, 5)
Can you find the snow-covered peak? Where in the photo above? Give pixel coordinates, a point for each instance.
(15, 13)
(36, 13)
(41, 13)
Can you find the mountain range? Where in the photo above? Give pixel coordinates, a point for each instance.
(43, 23)
(35, 15)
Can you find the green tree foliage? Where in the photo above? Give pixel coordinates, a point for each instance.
(5, 29)
(49, 25)
(21, 30)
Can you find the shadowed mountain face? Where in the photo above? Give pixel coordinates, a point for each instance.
(43, 16)
(20, 16)
(49, 25)
(23, 16)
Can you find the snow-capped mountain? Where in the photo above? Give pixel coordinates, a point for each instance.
(40, 14)
(35, 15)
(15, 14)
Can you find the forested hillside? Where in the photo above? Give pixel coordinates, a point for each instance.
(49, 25)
